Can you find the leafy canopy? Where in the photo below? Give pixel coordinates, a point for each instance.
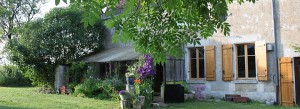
(159, 27)
(59, 38)
(15, 12)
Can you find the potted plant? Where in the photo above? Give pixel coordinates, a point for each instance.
(124, 95)
(129, 78)
(130, 75)
(136, 102)
(142, 100)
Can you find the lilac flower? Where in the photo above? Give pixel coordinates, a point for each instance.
(147, 69)
(198, 91)
(199, 87)
(121, 92)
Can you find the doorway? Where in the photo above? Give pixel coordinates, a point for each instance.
(297, 79)
(286, 81)
(158, 78)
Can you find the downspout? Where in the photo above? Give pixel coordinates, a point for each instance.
(275, 14)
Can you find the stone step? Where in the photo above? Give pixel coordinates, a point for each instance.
(240, 99)
(160, 104)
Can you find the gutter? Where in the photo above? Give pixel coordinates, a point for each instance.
(275, 18)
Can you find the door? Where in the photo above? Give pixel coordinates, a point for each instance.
(297, 79)
(286, 81)
(158, 78)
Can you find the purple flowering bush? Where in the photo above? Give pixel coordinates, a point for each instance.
(122, 92)
(141, 70)
(147, 68)
(198, 92)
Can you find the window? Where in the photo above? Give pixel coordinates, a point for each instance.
(197, 68)
(246, 67)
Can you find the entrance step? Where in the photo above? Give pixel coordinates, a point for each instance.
(160, 104)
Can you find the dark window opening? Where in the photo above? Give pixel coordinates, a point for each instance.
(246, 66)
(197, 68)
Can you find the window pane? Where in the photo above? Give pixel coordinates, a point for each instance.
(251, 49)
(193, 68)
(201, 68)
(201, 52)
(240, 50)
(241, 67)
(251, 66)
(193, 52)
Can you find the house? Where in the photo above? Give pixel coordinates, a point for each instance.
(111, 60)
(256, 60)
(115, 58)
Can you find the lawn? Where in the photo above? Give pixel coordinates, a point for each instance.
(28, 98)
(223, 105)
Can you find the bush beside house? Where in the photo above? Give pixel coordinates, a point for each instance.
(11, 76)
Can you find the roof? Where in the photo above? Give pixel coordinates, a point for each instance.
(113, 54)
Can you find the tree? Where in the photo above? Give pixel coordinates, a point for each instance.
(57, 39)
(159, 27)
(15, 12)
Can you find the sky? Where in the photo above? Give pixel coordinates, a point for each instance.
(50, 4)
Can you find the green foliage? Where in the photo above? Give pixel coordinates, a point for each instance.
(296, 47)
(57, 39)
(88, 88)
(159, 27)
(101, 89)
(92, 86)
(142, 83)
(183, 83)
(15, 12)
(111, 87)
(145, 89)
(46, 89)
(75, 74)
(11, 76)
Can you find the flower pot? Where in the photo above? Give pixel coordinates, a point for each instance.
(188, 96)
(124, 97)
(130, 80)
(142, 100)
(125, 104)
(130, 88)
(137, 105)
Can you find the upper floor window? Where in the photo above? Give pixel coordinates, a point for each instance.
(246, 67)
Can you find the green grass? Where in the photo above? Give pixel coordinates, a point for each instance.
(28, 98)
(222, 105)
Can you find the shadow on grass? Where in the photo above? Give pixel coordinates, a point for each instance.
(11, 107)
(17, 86)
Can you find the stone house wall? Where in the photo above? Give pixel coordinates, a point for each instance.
(249, 23)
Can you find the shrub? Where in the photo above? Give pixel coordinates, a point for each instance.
(110, 88)
(101, 89)
(46, 89)
(144, 88)
(75, 74)
(89, 87)
(11, 76)
(198, 92)
(45, 43)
